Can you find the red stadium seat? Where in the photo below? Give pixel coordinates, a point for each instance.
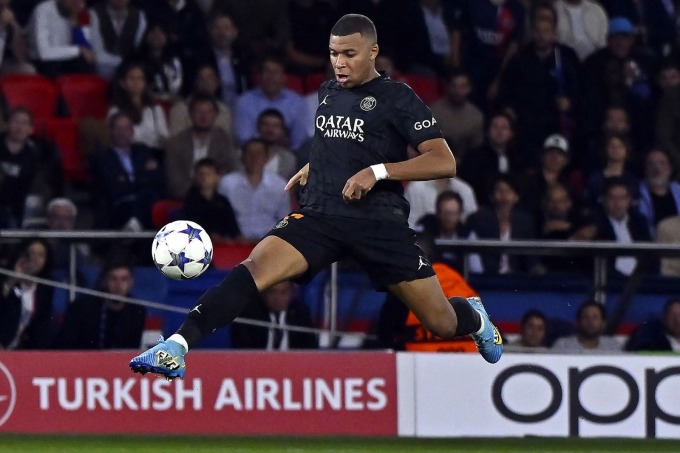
(226, 256)
(165, 211)
(64, 133)
(314, 80)
(426, 87)
(34, 92)
(85, 95)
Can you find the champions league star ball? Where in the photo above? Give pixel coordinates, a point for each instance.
(182, 250)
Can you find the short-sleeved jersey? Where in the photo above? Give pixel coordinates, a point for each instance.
(358, 127)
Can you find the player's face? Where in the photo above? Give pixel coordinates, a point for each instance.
(353, 59)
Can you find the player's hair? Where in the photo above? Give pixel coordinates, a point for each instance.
(355, 23)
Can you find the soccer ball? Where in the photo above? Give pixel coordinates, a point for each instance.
(182, 250)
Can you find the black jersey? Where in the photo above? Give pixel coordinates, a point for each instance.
(358, 127)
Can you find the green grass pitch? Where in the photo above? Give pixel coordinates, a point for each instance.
(176, 444)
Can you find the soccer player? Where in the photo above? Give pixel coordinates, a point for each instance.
(351, 205)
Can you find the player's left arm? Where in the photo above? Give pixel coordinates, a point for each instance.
(435, 161)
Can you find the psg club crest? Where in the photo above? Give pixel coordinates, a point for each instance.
(368, 103)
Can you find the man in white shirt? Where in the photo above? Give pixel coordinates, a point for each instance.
(51, 33)
(257, 196)
(422, 196)
(581, 25)
(116, 32)
(589, 338)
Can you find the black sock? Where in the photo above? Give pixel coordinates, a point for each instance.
(219, 305)
(469, 320)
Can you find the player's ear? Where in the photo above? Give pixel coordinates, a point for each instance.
(374, 51)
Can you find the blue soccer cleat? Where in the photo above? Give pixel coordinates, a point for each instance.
(489, 342)
(165, 359)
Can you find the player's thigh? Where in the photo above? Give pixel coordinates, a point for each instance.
(274, 260)
(425, 298)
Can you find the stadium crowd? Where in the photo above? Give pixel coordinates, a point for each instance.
(563, 115)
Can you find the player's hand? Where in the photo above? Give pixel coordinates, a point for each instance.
(299, 177)
(359, 185)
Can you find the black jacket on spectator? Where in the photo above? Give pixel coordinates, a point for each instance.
(649, 336)
(216, 215)
(480, 170)
(38, 333)
(120, 197)
(484, 224)
(254, 337)
(90, 324)
(17, 172)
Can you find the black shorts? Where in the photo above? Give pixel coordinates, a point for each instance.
(387, 251)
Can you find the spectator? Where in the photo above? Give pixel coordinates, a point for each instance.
(55, 46)
(493, 31)
(660, 334)
(503, 221)
(13, 45)
(445, 223)
(225, 58)
(533, 330)
(270, 93)
(540, 86)
(183, 20)
(461, 122)
(554, 169)
(205, 206)
(427, 48)
(307, 47)
(654, 21)
(205, 83)
(105, 323)
(617, 220)
(62, 214)
(18, 167)
(422, 197)
(668, 110)
(264, 27)
(668, 232)
(162, 64)
(562, 219)
(278, 307)
(616, 154)
(659, 194)
(619, 75)
(615, 122)
(116, 33)
(495, 157)
(590, 323)
(26, 307)
(271, 128)
(127, 179)
(132, 97)
(202, 139)
(257, 196)
(581, 25)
